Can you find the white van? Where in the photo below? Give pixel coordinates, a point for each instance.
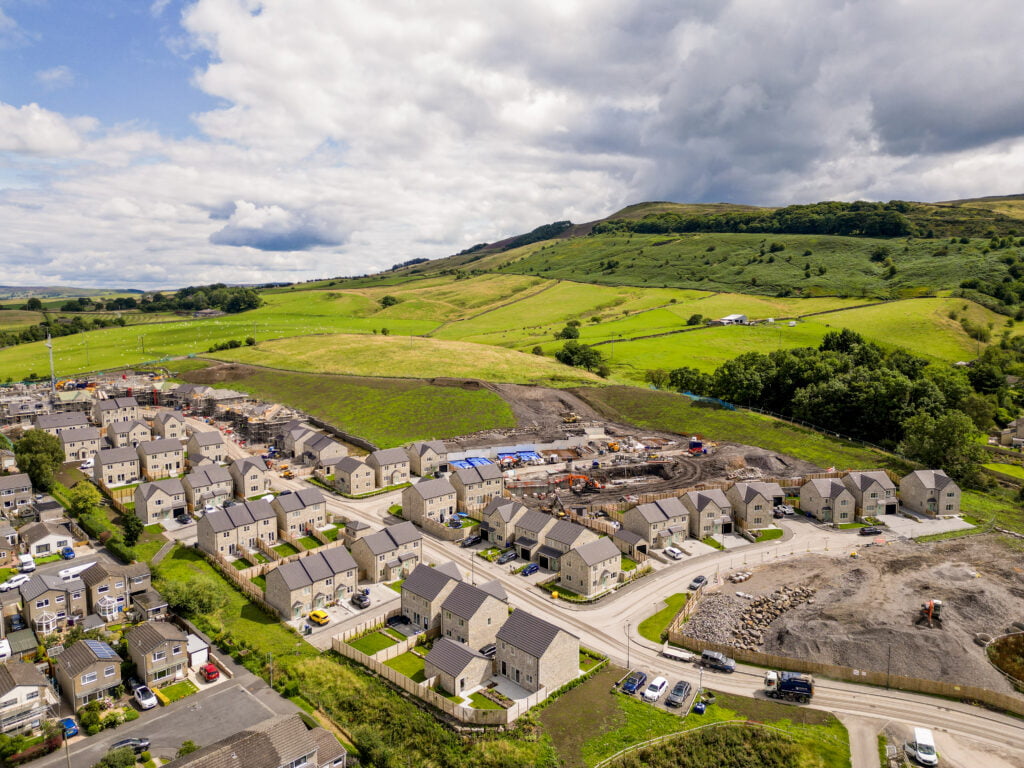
(922, 748)
(26, 563)
(656, 689)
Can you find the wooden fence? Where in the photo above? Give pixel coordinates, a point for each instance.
(237, 578)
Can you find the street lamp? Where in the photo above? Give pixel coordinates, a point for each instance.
(628, 665)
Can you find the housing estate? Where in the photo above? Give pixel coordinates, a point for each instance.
(105, 412)
(209, 445)
(476, 486)
(827, 499)
(498, 520)
(169, 424)
(429, 501)
(389, 554)
(874, 493)
(591, 568)
(390, 467)
(159, 650)
(160, 500)
(161, 458)
(26, 698)
(208, 485)
(236, 528)
(473, 615)
(314, 581)
(87, 670)
(250, 477)
(127, 434)
(534, 653)
(709, 511)
(354, 477)
(300, 511)
(58, 423)
(930, 492)
(80, 444)
(117, 466)
(427, 457)
(424, 590)
(659, 523)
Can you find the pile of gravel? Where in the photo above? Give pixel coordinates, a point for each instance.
(765, 609)
(715, 619)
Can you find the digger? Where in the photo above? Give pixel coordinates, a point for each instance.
(931, 614)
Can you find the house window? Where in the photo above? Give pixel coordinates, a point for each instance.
(42, 603)
(176, 650)
(159, 655)
(109, 671)
(8, 703)
(59, 599)
(104, 588)
(89, 678)
(32, 695)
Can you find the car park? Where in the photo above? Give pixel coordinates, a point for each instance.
(319, 617)
(870, 530)
(655, 690)
(137, 745)
(698, 581)
(144, 697)
(14, 582)
(634, 682)
(508, 557)
(360, 600)
(678, 695)
(67, 553)
(469, 541)
(674, 553)
(209, 672)
(530, 569)
(69, 726)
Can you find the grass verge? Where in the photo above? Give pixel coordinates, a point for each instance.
(655, 627)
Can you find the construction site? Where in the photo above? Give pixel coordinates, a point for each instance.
(907, 608)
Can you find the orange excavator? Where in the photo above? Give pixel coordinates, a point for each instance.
(931, 614)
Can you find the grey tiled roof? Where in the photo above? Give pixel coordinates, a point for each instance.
(828, 487)
(207, 439)
(470, 475)
(350, 464)
(242, 466)
(863, 480)
(208, 475)
(313, 568)
(628, 536)
(437, 446)
(504, 508)
(79, 657)
(162, 445)
(273, 743)
(391, 538)
(116, 403)
(34, 532)
(496, 589)
(661, 510)
(387, 456)
(427, 582)
(117, 455)
(702, 499)
(451, 657)
(533, 521)
(42, 583)
(169, 485)
(61, 420)
(15, 482)
(465, 600)
(150, 635)
(598, 551)
(165, 416)
(124, 427)
(931, 478)
(565, 532)
(17, 673)
(527, 632)
(80, 435)
(236, 515)
(432, 489)
(293, 502)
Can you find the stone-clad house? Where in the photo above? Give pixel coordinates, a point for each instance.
(390, 467)
(128, 434)
(160, 652)
(476, 486)
(57, 424)
(161, 458)
(456, 666)
(591, 568)
(709, 511)
(300, 511)
(209, 445)
(321, 450)
(250, 476)
(534, 653)
(429, 501)
(80, 444)
(236, 527)
(874, 494)
(498, 521)
(529, 530)
(117, 466)
(105, 412)
(169, 424)
(389, 554)
(473, 615)
(160, 500)
(559, 539)
(208, 485)
(424, 590)
(661, 523)
(828, 500)
(296, 588)
(752, 503)
(354, 477)
(428, 457)
(87, 670)
(930, 492)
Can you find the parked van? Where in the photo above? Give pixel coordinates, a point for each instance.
(922, 748)
(718, 661)
(26, 564)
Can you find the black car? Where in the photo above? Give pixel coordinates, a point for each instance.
(469, 541)
(870, 531)
(361, 600)
(132, 684)
(136, 744)
(508, 557)
(17, 622)
(183, 519)
(398, 621)
(489, 650)
(680, 693)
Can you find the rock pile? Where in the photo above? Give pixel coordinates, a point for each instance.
(762, 611)
(715, 619)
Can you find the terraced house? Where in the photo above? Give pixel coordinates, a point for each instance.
(661, 523)
(235, 528)
(250, 477)
(128, 434)
(80, 444)
(106, 412)
(26, 698)
(169, 424)
(160, 652)
(874, 494)
(301, 511)
(424, 590)
(476, 486)
(709, 511)
(87, 670)
(210, 485)
(591, 568)
(753, 503)
(389, 554)
(390, 467)
(315, 581)
(117, 466)
(354, 477)
(161, 458)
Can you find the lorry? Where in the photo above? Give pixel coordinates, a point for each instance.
(792, 686)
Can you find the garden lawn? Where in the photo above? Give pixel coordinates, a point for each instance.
(177, 691)
(331, 534)
(284, 549)
(655, 626)
(309, 542)
(155, 528)
(627, 564)
(397, 585)
(767, 534)
(478, 701)
(241, 564)
(410, 665)
(372, 643)
(260, 581)
(6, 573)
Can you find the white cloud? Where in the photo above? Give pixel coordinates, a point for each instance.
(33, 130)
(56, 77)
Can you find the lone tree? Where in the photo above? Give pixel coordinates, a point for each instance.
(948, 442)
(40, 455)
(82, 499)
(133, 528)
(657, 377)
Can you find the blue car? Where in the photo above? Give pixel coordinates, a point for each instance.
(531, 569)
(68, 553)
(70, 727)
(634, 682)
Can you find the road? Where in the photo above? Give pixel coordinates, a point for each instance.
(610, 624)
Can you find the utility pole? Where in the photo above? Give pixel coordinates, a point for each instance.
(628, 665)
(53, 376)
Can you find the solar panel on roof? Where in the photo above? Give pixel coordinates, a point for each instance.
(100, 649)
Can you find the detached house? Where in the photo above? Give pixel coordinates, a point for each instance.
(536, 654)
(874, 494)
(169, 424)
(49, 601)
(208, 485)
(390, 467)
(209, 445)
(561, 538)
(42, 539)
(312, 582)
(236, 527)
(473, 615)
(87, 670)
(26, 698)
(15, 492)
(930, 492)
(117, 466)
(424, 590)
(58, 423)
(478, 485)
(428, 458)
(161, 458)
(250, 477)
(160, 500)
(498, 521)
(828, 500)
(109, 588)
(354, 477)
(753, 503)
(80, 444)
(128, 434)
(429, 501)
(709, 511)
(321, 450)
(159, 650)
(300, 511)
(591, 568)
(456, 666)
(661, 523)
(105, 412)
(389, 554)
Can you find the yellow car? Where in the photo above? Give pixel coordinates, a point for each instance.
(319, 617)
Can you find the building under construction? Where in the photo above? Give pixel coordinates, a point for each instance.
(257, 422)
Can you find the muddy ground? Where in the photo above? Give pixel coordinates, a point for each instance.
(866, 605)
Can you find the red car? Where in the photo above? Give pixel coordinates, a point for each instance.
(209, 672)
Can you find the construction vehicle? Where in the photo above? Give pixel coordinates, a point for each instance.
(696, 445)
(570, 417)
(931, 614)
(613, 447)
(791, 686)
(288, 475)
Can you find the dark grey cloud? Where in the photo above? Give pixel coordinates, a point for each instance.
(274, 228)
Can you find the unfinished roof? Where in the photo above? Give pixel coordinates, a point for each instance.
(163, 445)
(427, 582)
(595, 552)
(433, 489)
(451, 657)
(662, 510)
(169, 485)
(528, 633)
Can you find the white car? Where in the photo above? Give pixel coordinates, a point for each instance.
(656, 689)
(145, 697)
(14, 582)
(675, 554)
(87, 464)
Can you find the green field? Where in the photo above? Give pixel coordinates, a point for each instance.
(14, 319)
(1014, 470)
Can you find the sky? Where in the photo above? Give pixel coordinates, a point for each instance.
(160, 143)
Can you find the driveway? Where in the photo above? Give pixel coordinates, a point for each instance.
(345, 615)
(912, 527)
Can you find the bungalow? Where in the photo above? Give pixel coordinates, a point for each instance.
(591, 568)
(128, 434)
(424, 590)
(50, 601)
(161, 458)
(58, 423)
(354, 477)
(753, 503)
(428, 457)
(710, 513)
(320, 450)
(472, 615)
(535, 654)
(208, 445)
(389, 554)
(300, 511)
(160, 500)
(930, 492)
(80, 444)
(476, 486)
(390, 467)
(87, 670)
(828, 500)
(109, 587)
(315, 581)
(169, 424)
(528, 532)
(562, 537)
(236, 527)
(874, 493)
(661, 523)
(250, 477)
(211, 485)
(498, 520)
(15, 492)
(43, 539)
(105, 412)
(26, 697)
(159, 650)
(117, 466)
(456, 666)
(429, 500)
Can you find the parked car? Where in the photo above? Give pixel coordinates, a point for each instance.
(318, 617)
(870, 531)
(70, 727)
(183, 519)
(679, 694)
(209, 672)
(530, 569)
(698, 581)
(67, 553)
(655, 690)
(136, 744)
(133, 684)
(398, 621)
(674, 553)
(634, 682)
(14, 582)
(469, 541)
(508, 557)
(777, 513)
(716, 660)
(17, 623)
(361, 600)
(87, 464)
(144, 697)
(489, 650)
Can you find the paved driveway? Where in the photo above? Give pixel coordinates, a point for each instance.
(912, 527)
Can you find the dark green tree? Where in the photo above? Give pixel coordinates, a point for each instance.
(133, 528)
(948, 442)
(187, 748)
(83, 498)
(40, 455)
(687, 379)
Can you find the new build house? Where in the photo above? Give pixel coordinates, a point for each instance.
(105, 412)
(354, 477)
(709, 511)
(591, 568)
(208, 486)
(321, 450)
(389, 554)
(752, 503)
(424, 590)
(161, 458)
(661, 523)
(300, 511)
(473, 615)
(390, 467)
(429, 502)
(874, 494)
(127, 434)
(528, 532)
(930, 492)
(559, 539)
(235, 528)
(456, 666)
(476, 486)
(828, 500)
(498, 521)
(209, 445)
(427, 457)
(169, 424)
(160, 500)
(58, 423)
(80, 444)
(315, 581)
(250, 477)
(534, 653)
(117, 466)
